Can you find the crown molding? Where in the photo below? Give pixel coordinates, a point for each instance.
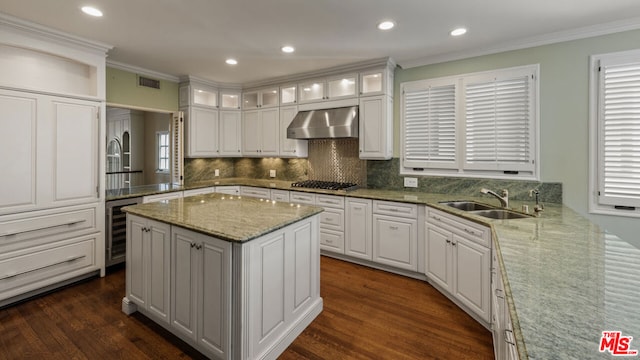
(357, 66)
(142, 71)
(49, 34)
(525, 43)
(196, 79)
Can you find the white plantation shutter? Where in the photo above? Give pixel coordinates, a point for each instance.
(177, 147)
(619, 132)
(429, 112)
(499, 122)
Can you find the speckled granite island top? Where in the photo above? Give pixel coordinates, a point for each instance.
(226, 217)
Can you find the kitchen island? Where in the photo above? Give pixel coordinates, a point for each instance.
(234, 277)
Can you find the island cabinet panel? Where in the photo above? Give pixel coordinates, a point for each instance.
(282, 285)
(201, 291)
(148, 266)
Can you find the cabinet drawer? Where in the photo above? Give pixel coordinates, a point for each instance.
(332, 219)
(332, 241)
(255, 192)
(280, 195)
(200, 191)
(470, 230)
(162, 197)
(302, 198)
(395, 209)
(330, 201)
(23, 227)
(230, 190)
(27, 270)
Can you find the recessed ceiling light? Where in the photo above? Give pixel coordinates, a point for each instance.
(386, 25)
(90, 10)
(458, 31)
(288, 49)
(231, 61)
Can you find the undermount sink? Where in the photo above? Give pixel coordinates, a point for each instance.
(500, 214)
(467, 205)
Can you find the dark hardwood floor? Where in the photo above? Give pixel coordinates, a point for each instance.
(368, 314)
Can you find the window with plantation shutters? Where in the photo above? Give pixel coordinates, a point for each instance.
(617, 132)
(430, 125)
(499, 132)
(479, 124)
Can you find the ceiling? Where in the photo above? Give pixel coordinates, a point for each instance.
(194, 37)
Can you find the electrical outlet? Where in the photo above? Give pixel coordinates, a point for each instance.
(411, 182)
(216, 172)
(272, 173)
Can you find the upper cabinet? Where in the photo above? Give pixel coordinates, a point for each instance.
(288, 94)
(262, 98)
(212, 119)
(377, 82)
(230, 99)
(330, 88)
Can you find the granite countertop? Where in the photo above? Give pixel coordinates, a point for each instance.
(226, 217)
(566, 279)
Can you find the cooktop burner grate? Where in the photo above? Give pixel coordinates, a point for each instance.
(325, 185)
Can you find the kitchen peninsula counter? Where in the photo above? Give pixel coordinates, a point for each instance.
(566, 279)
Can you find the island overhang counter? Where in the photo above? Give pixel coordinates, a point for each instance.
(234, 277)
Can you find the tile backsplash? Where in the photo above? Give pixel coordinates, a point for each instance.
(386, 175)
(337, 160)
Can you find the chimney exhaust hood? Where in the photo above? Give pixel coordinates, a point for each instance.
(333, 123)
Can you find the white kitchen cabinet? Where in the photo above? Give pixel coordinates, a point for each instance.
(230, 99)
(280, 195)
(201, 290)
(458, 260)
(148, 265)
(358, 228)
(504, 344)
(334, 87)
(53, 144)
(290, 147)
(331, 223)
(376, 128)
(202, 131)
(193, 93)
(260, 132)
(305, 198)
(395, 234)
(256, 192)
(212, 120)
(377, 81)
(261, 98)
(288, 94)
(230, 134)
(200, 191)
(231, 190)
(162, 197)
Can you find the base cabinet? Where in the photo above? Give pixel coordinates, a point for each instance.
(504, 344)
(458, 260)
(201, 290)
(395, 234)
(148, 266)
(358, 228)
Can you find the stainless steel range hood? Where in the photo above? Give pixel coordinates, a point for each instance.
(325, 124)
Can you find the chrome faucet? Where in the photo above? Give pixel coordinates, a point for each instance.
(504, 199)
(538, 207)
